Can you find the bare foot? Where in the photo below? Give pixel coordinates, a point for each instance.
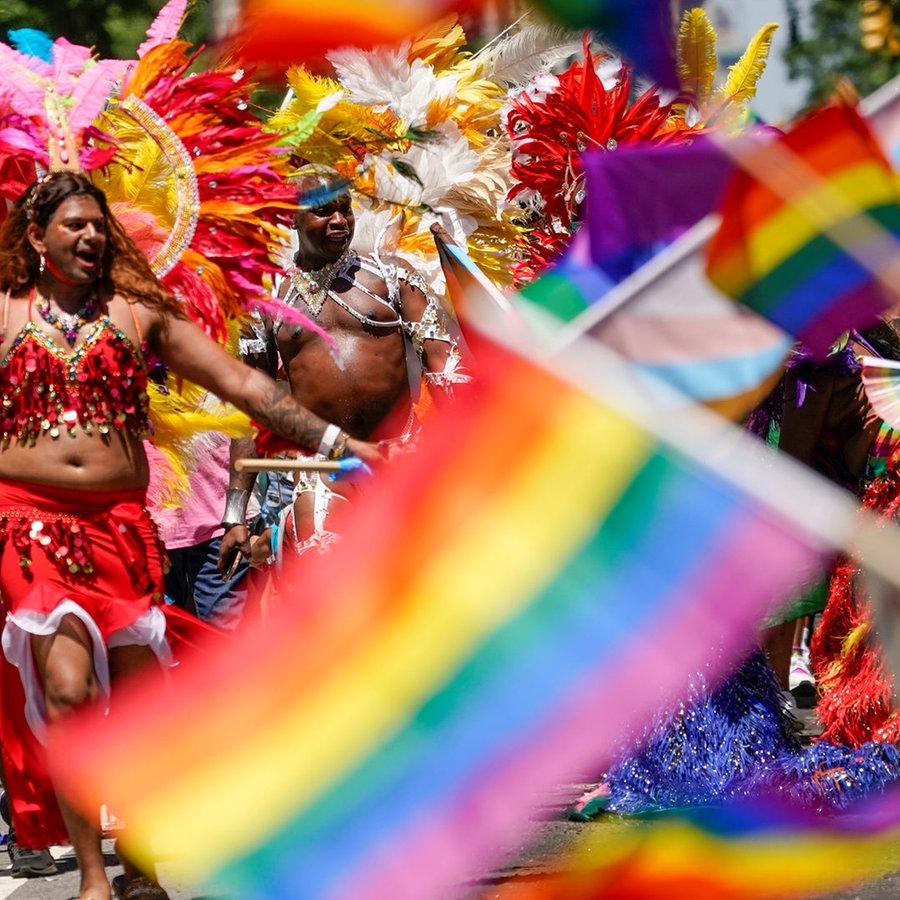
(95, 889)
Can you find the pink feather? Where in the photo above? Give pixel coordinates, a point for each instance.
(21, 86)
(165, 26)
(22, 139)
(276, 309)
(69, 61)
(91, 91)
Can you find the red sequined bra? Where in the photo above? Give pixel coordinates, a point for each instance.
(101, 384)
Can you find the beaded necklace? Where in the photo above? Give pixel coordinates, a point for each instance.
(68, 323)
(313, 287)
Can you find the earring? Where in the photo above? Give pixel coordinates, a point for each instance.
(42, 265)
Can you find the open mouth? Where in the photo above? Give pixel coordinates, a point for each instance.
(88, 259)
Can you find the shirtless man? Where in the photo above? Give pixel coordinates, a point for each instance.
(388, 335)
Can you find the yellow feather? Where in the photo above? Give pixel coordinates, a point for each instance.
(744, 75)
(854, 639)
(308, 92)
(697, 59)
(439, 44)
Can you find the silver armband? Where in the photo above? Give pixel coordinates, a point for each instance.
(236, 502)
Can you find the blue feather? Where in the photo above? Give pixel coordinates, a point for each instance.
(323, 194)
(32, 42)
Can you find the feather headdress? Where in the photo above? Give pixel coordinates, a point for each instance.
(419, 128)
(186, 166)
(551, 121)
(724, 107)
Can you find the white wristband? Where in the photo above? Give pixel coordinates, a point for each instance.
(329, 438)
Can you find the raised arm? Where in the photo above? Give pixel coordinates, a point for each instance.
(188, 351)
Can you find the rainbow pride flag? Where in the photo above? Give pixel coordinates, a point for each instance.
(749, 851)
(275, 34)
(541, 574)
(805, 238)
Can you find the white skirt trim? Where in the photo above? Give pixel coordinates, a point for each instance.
(149, 630)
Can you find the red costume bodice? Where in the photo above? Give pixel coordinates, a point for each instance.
(100, 384)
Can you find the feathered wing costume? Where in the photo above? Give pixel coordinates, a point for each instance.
(187, 168)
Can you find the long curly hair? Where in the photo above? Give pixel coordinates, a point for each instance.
(125, 269)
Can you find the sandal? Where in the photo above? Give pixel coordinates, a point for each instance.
(138, 888)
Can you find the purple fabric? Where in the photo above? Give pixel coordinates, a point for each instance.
(640, 195)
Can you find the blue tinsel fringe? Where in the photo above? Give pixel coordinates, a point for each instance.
(738, 742)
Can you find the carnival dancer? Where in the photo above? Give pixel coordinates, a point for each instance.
(387, 333)
(84, 322)
(857, 695)
(734, 740)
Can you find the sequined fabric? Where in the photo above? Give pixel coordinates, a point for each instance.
(60, 529)
(61, 537)
(101, 385)
(78, 541)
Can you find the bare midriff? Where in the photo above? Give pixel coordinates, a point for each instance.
(83, 462)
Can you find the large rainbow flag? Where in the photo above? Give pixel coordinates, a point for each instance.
(542, 574)
(807, 237)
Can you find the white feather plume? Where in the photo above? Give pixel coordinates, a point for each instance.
(533, 49)
(385, 79)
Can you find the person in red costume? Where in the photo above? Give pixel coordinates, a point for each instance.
(84, 323)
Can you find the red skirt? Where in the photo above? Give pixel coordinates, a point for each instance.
(96, 554)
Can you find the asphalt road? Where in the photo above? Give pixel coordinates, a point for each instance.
(533, 862)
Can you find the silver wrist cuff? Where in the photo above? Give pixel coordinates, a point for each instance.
(329, 439)
(236, 502)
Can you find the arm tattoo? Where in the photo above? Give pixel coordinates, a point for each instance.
(281, 413)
